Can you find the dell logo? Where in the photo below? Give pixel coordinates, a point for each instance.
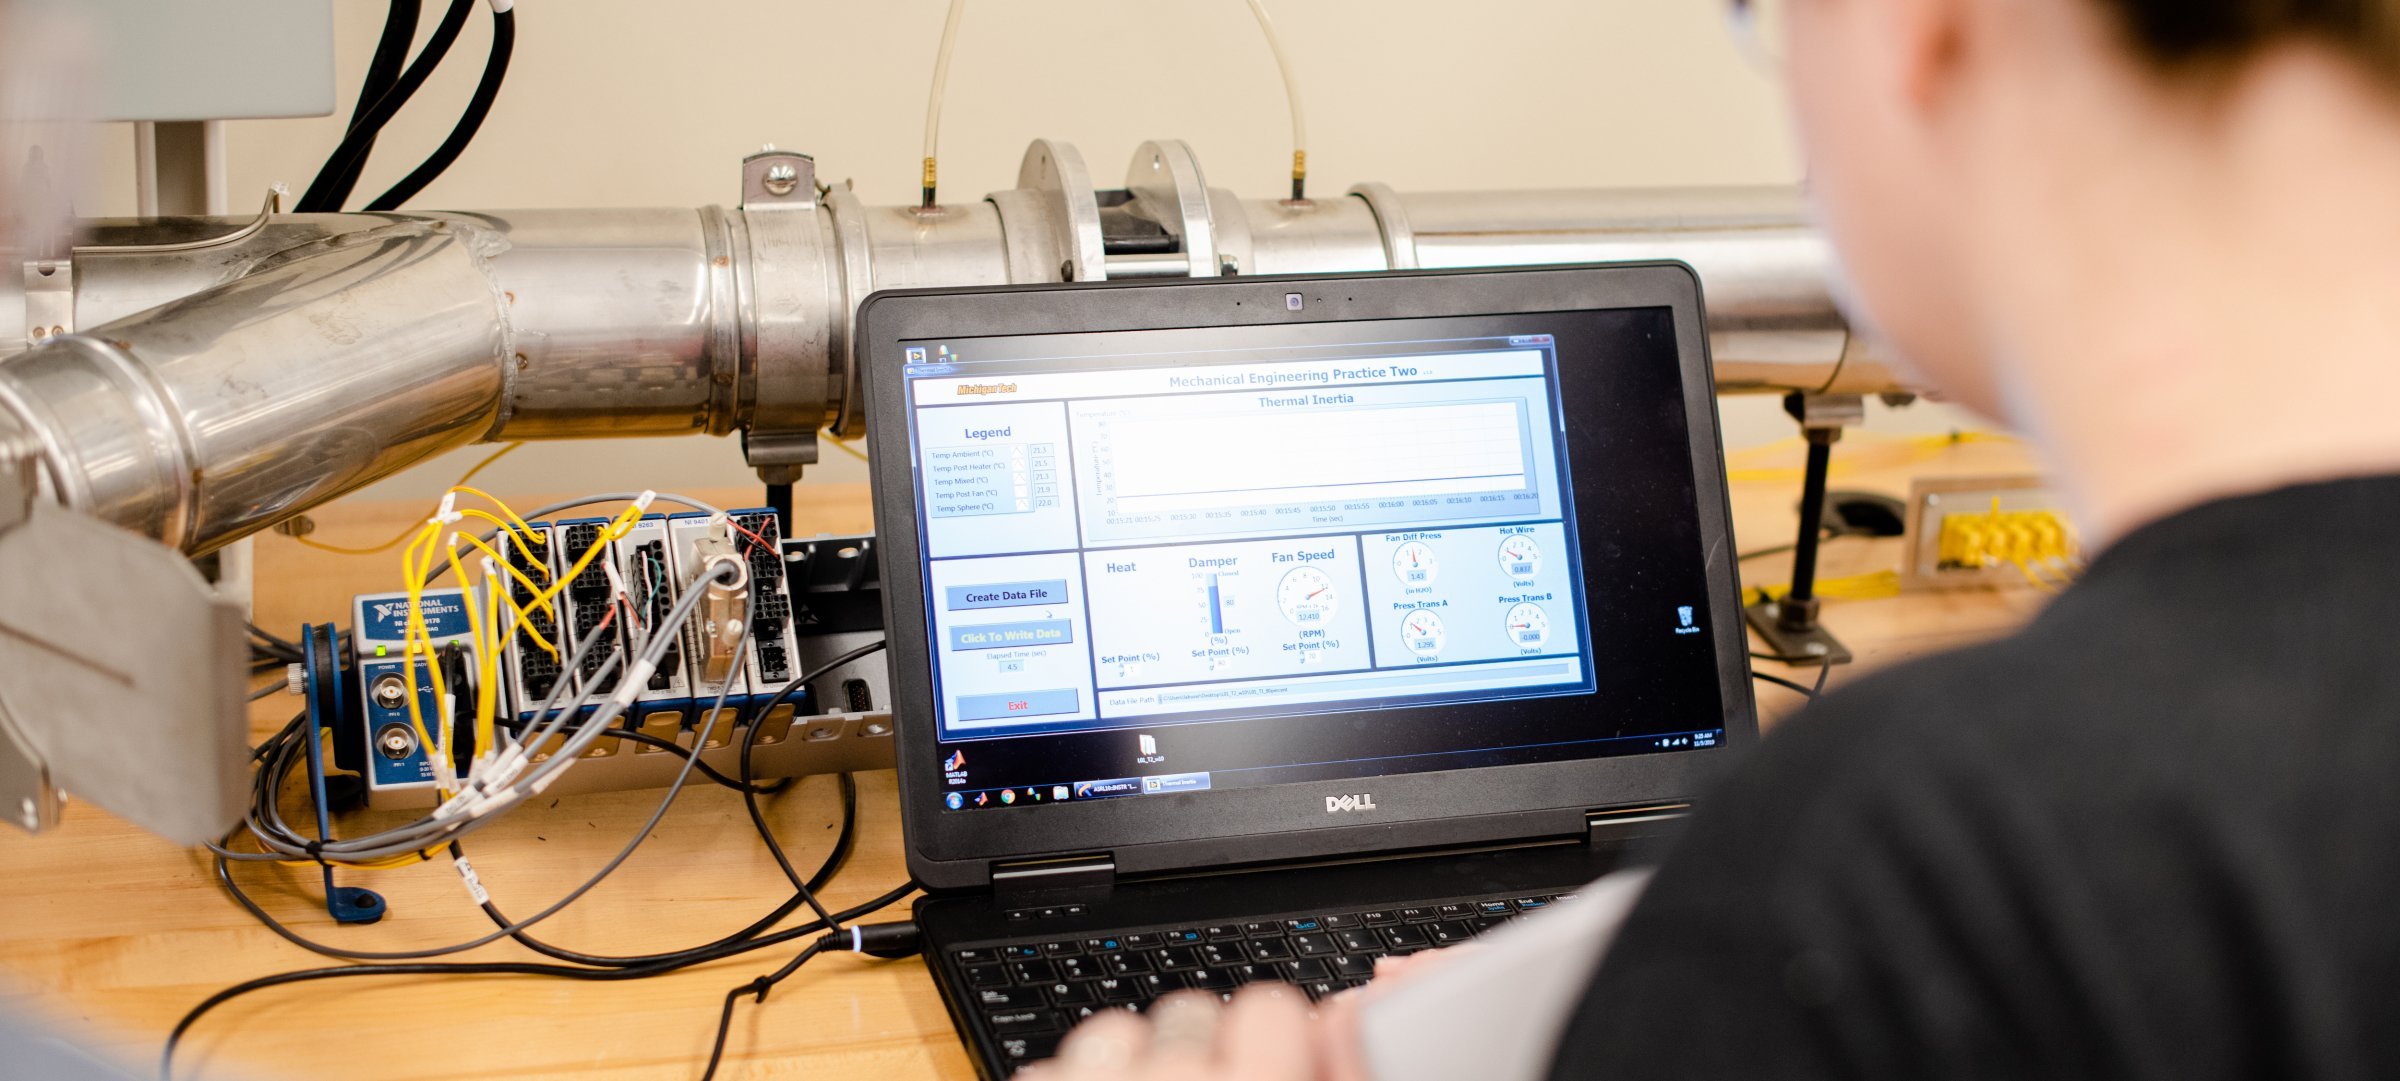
(1363, 801)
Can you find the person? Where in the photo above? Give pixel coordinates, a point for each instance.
(2154, 834)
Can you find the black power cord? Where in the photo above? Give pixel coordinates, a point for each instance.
(277, 755)
(487, 90)
(350, 157)
(628, 735)
(890, 941)
(383, 72)
(1823, 672)
(758, 819)
(509, 968)
(834, 860)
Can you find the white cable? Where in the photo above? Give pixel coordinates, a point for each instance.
(941, 83)
(1291, 91)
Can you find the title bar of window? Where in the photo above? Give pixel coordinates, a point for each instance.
(1220, 378)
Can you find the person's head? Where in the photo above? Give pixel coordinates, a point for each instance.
(1981, 164)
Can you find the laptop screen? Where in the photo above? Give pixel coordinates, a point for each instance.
(1167, 561)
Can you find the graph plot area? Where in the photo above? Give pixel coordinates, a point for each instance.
(1260, 463)
(1395, 452)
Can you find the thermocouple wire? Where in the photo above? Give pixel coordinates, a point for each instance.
(933, 100)
(1291, 93)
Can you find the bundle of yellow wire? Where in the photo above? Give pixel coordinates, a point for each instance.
(485, 633)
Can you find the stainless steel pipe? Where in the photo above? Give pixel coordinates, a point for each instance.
(222, 387)
(218, 414)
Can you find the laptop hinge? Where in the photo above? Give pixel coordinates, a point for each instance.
(1617, 824)
(1085, 872)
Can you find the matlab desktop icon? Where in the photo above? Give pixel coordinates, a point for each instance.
(957, 762)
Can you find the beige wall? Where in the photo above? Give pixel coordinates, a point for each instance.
(639, 102)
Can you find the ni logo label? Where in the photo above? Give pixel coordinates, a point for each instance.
(1363, 801)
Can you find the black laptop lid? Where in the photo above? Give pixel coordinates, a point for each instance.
(1206, 573)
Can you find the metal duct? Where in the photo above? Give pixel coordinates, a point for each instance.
(228, 383)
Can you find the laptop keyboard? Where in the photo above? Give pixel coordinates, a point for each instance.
(1028, 993)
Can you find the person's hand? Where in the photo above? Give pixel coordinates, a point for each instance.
(1268, 1033)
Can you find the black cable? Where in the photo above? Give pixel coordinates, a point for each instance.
(383, 72)
(1782, 682)
(825, 871)
(513, 968)
(351, 155)
(885, 940)
(487, 90)
(759, 986)
(628, 735)
(1824, 672)
(758, 820)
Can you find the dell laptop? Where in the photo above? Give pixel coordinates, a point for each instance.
(1253, 628)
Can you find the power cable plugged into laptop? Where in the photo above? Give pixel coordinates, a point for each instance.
(889, 941)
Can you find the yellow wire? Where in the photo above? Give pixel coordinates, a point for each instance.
(1858, 587)
(524, 531)
(411, 530)
(519, 575)
(483, 651)
(845, 445)
(414, 637)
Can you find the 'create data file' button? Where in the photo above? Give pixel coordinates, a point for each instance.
(1038, 632)
(994, 707)
(1006, 594)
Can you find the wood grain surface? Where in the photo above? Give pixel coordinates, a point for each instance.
(110, 935)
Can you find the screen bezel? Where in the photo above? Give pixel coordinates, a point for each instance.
(1288, 821)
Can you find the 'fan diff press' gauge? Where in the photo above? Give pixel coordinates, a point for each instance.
(1422, 632)
(1306, 596)
(1415, 564)
(1520, 558)
(1528, 626)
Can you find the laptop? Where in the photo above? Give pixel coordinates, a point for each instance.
(1252, 628)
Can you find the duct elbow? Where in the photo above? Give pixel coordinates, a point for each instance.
(324, 369)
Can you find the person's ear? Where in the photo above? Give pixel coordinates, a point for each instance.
(1931, 41)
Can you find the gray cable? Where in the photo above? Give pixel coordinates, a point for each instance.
(428, 832)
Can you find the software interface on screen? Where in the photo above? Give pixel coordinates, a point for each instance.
(1168, 561)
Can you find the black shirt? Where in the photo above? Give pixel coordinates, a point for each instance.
(2155, 834)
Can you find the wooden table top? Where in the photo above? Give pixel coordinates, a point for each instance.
(113, 934)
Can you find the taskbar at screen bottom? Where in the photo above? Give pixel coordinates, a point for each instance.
(960, 796)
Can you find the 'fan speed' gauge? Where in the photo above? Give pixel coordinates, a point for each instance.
(1528, 626)
(1422, 632)
(1415, 564)
(1306, 596)
(1520, 558)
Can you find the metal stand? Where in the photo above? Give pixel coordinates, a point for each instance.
(1789, 625)
(322, 681)
(779, 499)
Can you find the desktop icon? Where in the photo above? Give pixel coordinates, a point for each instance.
(1149, 745)
(1058, 792)
(916, 354)
(956, 801)
(956, 762)
(1008, 795)
(1684, 613)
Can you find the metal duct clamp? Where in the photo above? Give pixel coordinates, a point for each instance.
(782, 288)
